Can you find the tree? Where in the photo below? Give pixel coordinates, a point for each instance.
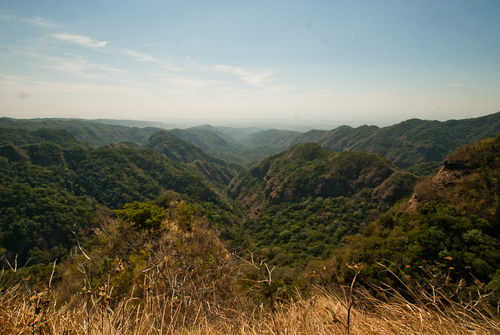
(143, 215)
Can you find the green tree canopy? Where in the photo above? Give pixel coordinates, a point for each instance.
(143, 215)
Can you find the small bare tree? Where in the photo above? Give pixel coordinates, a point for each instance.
(265, 275)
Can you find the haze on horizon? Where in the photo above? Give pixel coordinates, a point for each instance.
(322, 61)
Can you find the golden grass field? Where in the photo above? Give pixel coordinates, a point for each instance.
(324, 312)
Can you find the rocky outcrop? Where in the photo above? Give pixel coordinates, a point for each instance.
(449, 174)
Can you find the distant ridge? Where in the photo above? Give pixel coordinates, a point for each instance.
(405, 144)
(414, 143)
(93, 133)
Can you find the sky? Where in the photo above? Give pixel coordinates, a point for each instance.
(363, 61)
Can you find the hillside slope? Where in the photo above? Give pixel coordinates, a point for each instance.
(301, 202)
(449, 226)
(214, 169)
(210, 139)
(19, 136)
(413, 143)
(308, 170)
(93, 133)
(416, 145)
(46, 191)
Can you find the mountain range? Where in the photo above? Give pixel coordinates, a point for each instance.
(292, 198)
(411, 144)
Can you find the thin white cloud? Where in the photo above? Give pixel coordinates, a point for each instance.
(41, 22)
(144, 57)
(36, 21)
(82, 68)
(170, 67)
(81, 40)
(7, 17)
(255, 78)
(140, 56)
(69, 63)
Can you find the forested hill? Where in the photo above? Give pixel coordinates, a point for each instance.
(65, 133)
(213, 139)
(307, 203)
(117, 176)
(301, 202)
(167, 143)
(46, 190)
(449, 228)
(19, 136)
(417, 141)
(93, 133)
(216, 170)
(307, 170)
(415, 145)
(405, 144)
(295, 208)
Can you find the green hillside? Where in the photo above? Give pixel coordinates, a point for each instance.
(19, 136)
(297, 208)
(449, 227)
(93, 133)
(78, 133)
(308, 170)
(318, 218)
(420, 143)
(209, 139)
(414, 141)
(272, 137)
(46, 190)
(301, 202)
(416, 145)
(214, 169)
(226, 143)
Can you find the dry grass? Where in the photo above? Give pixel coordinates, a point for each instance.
(323, 313)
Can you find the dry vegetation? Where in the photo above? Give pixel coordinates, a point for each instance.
(324, 312)
(181, 279)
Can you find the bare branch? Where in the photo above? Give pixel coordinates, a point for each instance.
(52, 274)
(78, 243)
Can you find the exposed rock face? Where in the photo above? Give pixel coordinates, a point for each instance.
(413, 203)
(448, 174)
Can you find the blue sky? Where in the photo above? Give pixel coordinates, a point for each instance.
(259, 60)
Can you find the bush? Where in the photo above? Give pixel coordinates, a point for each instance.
(143, 215)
